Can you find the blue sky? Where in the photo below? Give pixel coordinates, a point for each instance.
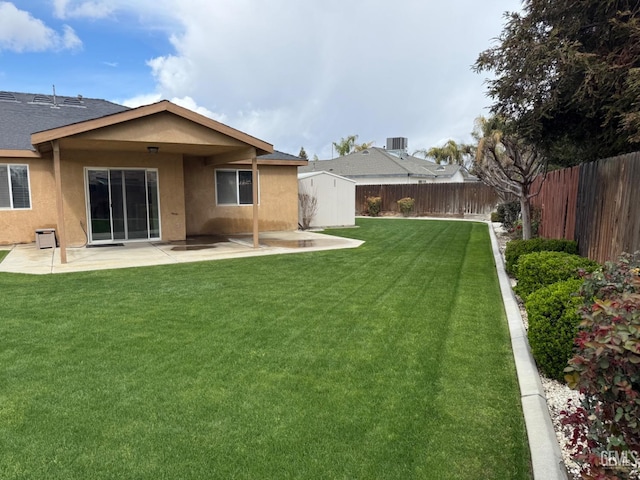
(289, 72)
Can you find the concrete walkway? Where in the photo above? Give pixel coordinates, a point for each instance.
(29, 259)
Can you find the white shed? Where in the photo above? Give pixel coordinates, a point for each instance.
(335, 195)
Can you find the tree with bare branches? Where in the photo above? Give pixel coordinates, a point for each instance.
(507, 163)
(308, 201)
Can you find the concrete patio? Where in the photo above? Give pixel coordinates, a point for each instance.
(27, 258)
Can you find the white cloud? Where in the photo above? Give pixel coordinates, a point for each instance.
(186, 102)
(139, 100)
(308, 73)
(21, 32)
(304, 73)
(91, 9)
(70, 40)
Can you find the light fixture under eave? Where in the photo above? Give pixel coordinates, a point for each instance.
(153, 150)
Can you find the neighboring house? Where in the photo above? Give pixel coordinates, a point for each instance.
(101, 173)
(380, 166)
(335, 195)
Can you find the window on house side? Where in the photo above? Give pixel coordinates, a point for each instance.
(234, 187)
(14, 187)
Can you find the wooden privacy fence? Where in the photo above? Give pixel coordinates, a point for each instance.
(438, 199)
(597, 204)
(557, 205)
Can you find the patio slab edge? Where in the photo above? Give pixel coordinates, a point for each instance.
(546, 458)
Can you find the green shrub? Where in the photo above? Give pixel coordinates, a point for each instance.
(373, 205)
(406, 205)
(606, 368)
(495, 218)
(508, 213)
(516, 248)
(553, 325)
(539, 269)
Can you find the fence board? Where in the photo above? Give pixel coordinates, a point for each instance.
(440, 199)
(597, 204)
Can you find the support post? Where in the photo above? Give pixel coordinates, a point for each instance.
(254, 184)
(62, 237)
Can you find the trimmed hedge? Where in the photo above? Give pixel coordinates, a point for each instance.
(539, 269)
(553, 325)
(517, 248)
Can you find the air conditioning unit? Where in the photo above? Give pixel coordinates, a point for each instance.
(397, 143)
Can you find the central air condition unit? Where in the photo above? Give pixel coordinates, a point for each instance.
(397, 143)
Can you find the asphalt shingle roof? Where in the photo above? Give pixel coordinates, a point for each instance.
(377, 162)
(278, 155)
(22, 114)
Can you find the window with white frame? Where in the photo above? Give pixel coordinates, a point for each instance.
(234, 187)
(14, 187)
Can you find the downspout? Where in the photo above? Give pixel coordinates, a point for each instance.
(62, 237)
(254, 185)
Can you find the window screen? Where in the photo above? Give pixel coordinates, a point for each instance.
(234, 187)
(14, 186)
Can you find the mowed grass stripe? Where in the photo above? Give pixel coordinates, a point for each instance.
(388, 361)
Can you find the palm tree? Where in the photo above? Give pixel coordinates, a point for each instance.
(345, 145)
(450, 153)
(348, 145)
(363, 146)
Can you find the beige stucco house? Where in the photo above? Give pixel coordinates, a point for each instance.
(100, 173)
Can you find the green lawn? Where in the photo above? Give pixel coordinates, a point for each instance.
(390, 361)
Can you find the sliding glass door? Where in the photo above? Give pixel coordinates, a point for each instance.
(123, 205)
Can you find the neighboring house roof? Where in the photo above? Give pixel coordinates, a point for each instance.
(379, 162)
(22, 114)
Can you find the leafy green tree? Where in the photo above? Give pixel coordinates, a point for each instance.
(568, 73)
(303, 153)
(451, 153)
(363, 146)
(348, 145)
(345, 145)
(507, 163)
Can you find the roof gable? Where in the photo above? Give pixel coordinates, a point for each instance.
(113, 127)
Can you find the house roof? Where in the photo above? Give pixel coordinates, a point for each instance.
(278, 155)
(379, 162)
(29, 122)
(22, 114)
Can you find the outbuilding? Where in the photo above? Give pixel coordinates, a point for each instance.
(335, 199)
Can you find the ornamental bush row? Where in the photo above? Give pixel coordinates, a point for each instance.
(374, 205)
(539, 269)
(516, 248)
(548, 282)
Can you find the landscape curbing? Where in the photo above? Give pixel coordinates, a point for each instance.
(546, 458)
